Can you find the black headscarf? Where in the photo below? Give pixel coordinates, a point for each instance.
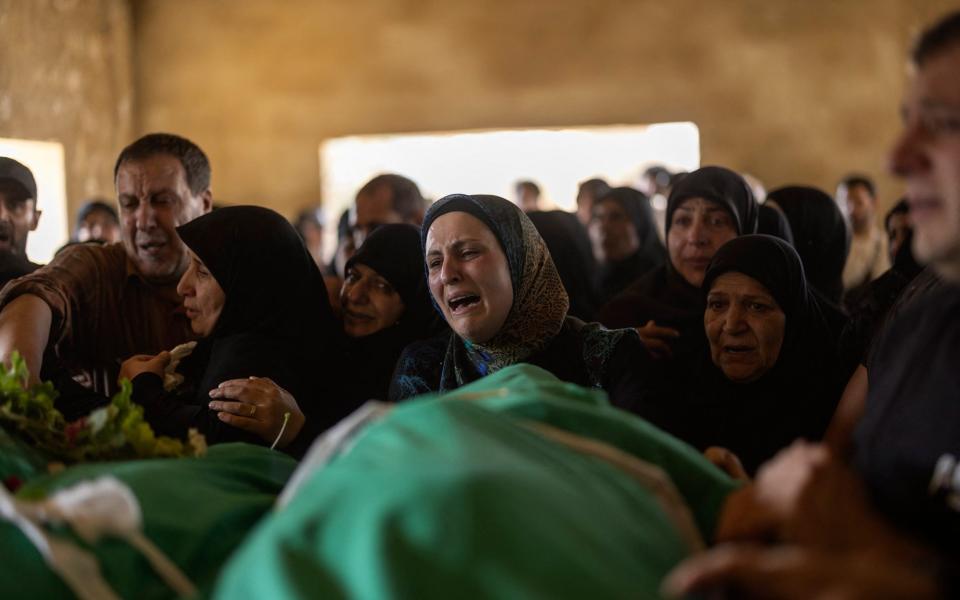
(394, 252)
(773, 222)
(569, 246)
(663, 295)
(820, 235)
(614, 276)
(722, 186)
(276, 320)
(797, 397)
(259, 261)
(775, 265)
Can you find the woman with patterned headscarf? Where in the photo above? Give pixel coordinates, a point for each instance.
(492, 278)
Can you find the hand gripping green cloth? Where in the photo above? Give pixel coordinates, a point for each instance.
(463, 495)
(196, 510)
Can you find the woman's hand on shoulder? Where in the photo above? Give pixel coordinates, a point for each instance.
(657, 339)
(258, 405)
(144, 363)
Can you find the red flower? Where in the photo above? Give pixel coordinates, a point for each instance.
(74, 428)
(12, 483)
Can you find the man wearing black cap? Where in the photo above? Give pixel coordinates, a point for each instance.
(18, 217)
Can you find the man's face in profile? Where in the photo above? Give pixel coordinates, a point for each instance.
(927, 157)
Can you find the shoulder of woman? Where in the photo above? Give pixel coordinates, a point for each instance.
(418, 368)
(250, 355)
(423, 353)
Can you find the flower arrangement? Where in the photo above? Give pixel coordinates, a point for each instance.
(116, 431)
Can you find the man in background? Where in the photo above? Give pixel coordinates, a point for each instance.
(528, 196)
(18, 217)
(387, 198)
(868, 258)
(588, 193)
(97, 221)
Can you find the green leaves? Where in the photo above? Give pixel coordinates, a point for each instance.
(114, 432)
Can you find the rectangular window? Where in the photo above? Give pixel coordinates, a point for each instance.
(491, 162)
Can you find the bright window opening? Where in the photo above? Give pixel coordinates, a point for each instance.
(45, 160)
(491, 162)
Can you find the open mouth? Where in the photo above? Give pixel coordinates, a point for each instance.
(152, 247)
(355, 316)
(462, 303)
(737, 349)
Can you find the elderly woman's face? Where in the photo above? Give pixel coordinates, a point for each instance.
(203, 298)
(369, 302)
(698, 228)
(468, 276)
(745, 327)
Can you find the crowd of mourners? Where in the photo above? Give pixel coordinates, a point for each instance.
(736, 320)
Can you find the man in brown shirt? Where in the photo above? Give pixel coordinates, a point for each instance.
(94, 306)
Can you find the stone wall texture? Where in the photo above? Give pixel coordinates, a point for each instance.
(790, 91)
(66, 76)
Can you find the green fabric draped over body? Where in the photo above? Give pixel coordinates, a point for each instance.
(196, 510)
(471, 494)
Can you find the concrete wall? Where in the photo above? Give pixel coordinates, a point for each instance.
(65, 75)
(791, 91)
